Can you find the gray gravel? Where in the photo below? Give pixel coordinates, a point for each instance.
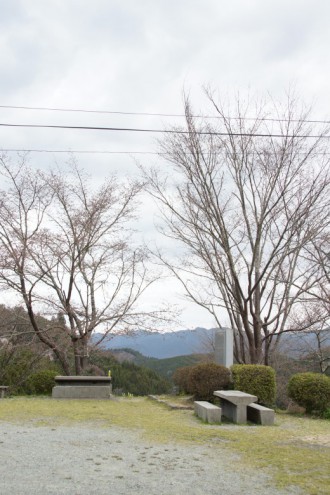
(90, 459)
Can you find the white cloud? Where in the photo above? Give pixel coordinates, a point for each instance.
(138, 56)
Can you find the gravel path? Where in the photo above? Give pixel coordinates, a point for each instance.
(89, 459)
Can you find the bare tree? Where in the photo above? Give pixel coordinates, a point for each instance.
(246, 197)
(315, 347)
(67, 249)
(320, 258)
(318, 262)
(315, 314)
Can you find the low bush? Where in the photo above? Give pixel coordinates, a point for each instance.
(205, 378)
(255, 379)
(311, 391)
(42, 382)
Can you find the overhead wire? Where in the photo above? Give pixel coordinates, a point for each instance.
(115, 152)
(105, 152)
(135, 129)
(158, 114)
(165, 131)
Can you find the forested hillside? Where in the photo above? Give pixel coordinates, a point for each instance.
(165, 367)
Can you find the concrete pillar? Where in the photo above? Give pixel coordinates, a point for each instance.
(224, 346)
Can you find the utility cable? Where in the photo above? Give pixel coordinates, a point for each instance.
(105, 152)
(119, 152)
(150, 114)
(166, 131)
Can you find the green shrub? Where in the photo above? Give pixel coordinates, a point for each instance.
(326, 414)
(42, 382)
(310, 390)
(255, 379)
(205, 378)
(16, 366)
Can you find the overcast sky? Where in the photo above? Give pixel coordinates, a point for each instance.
(138, 56)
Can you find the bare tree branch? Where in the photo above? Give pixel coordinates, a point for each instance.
(246, 208)
(67, 248)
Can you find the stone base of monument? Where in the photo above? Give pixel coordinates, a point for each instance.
(82, 387)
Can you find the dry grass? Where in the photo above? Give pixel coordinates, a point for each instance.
(296, 450)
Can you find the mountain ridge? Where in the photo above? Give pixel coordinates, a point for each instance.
(163, 345)
(200, 341)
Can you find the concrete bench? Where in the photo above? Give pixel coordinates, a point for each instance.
(82, 387)
(234, 404)
(260, 414)
(207, 411)
(3, 391)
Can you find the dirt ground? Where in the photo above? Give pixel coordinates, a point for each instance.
(92, 459)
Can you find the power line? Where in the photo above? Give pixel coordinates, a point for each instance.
(164, 131)
(105, 152)
(119, 152)
(111, 112)
(160, 114)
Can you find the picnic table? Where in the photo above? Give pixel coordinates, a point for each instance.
(234, 404)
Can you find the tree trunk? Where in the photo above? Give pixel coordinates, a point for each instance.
(81, 360)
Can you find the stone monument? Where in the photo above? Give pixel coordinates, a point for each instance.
(224, 346)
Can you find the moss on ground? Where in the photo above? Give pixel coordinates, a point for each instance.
(295, 451)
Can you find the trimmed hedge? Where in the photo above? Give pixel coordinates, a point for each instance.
(310, 390)
(202, 380)
(255, 379)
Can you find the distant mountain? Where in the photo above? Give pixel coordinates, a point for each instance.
(163, 345)
(198, 341)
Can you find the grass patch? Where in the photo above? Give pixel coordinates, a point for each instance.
(295, 451)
